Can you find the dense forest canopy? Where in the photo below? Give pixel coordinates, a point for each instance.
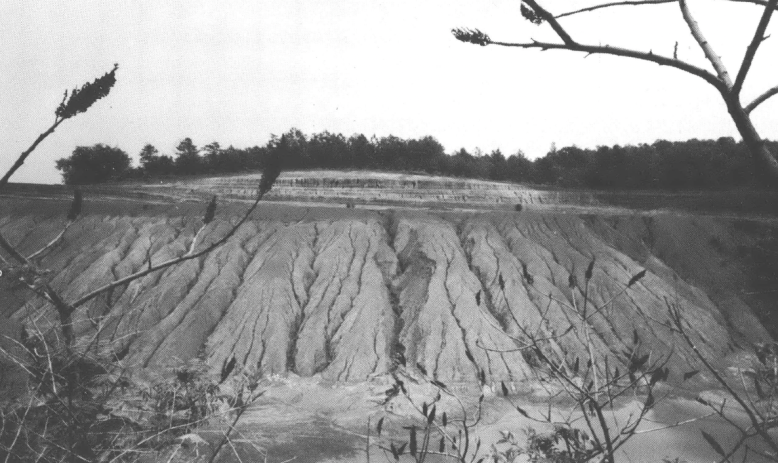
(692, 164)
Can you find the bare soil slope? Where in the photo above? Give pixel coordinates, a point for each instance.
(344, 293)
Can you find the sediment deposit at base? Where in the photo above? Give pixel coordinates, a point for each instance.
(347, 294)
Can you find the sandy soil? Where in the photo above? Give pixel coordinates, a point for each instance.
(435, 269)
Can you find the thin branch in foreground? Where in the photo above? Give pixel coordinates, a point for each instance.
(265, 184)
(545, 15)
(675, 316)
(16, 255)
(760, 99)
(612, 4)
(226, 439)
(20, 160)
(624, 53)
(51, 244)
(754, 2)
(73, 213)
(86, 298)
(714, 59)
(753, 46)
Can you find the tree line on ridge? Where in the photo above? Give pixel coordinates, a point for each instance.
(691, 164)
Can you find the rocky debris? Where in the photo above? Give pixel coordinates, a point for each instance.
(347, 298)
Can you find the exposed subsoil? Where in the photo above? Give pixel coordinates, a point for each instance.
(340, 294)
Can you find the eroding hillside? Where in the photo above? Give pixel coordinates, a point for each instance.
(346, 295)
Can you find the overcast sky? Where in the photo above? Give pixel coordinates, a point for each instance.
(236, 72)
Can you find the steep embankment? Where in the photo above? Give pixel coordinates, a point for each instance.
(344, 293)
(360, 187)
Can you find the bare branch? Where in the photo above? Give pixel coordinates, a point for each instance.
(193, 245)
(755, 2)
(16, 255)
(83, 300)
(43, 290)
(675, 316)
(23, 156)
(612, 4)
(624, 52)
(39, 253)
(714, 59)
(544, 14)
(755, 42)
(761, 99)
(674, 425)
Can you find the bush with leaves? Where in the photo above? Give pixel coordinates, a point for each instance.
(754, 394)
(84, 407)
(563, 445)
(593, 389)
(78, 408)
(593, 392)
(431, 430)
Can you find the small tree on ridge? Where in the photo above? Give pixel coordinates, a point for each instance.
(93, 164)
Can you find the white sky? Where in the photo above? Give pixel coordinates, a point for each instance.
(235, 72)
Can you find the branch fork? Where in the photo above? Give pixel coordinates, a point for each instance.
(720, 80)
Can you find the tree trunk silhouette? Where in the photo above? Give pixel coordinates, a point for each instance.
(756, 145)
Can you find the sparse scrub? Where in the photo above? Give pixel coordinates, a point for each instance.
(80, 406)
(432, 430)
(80, 403)
(587, 430)
(755, 393)
(595, 397)
(562, 445)
(594, 390)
